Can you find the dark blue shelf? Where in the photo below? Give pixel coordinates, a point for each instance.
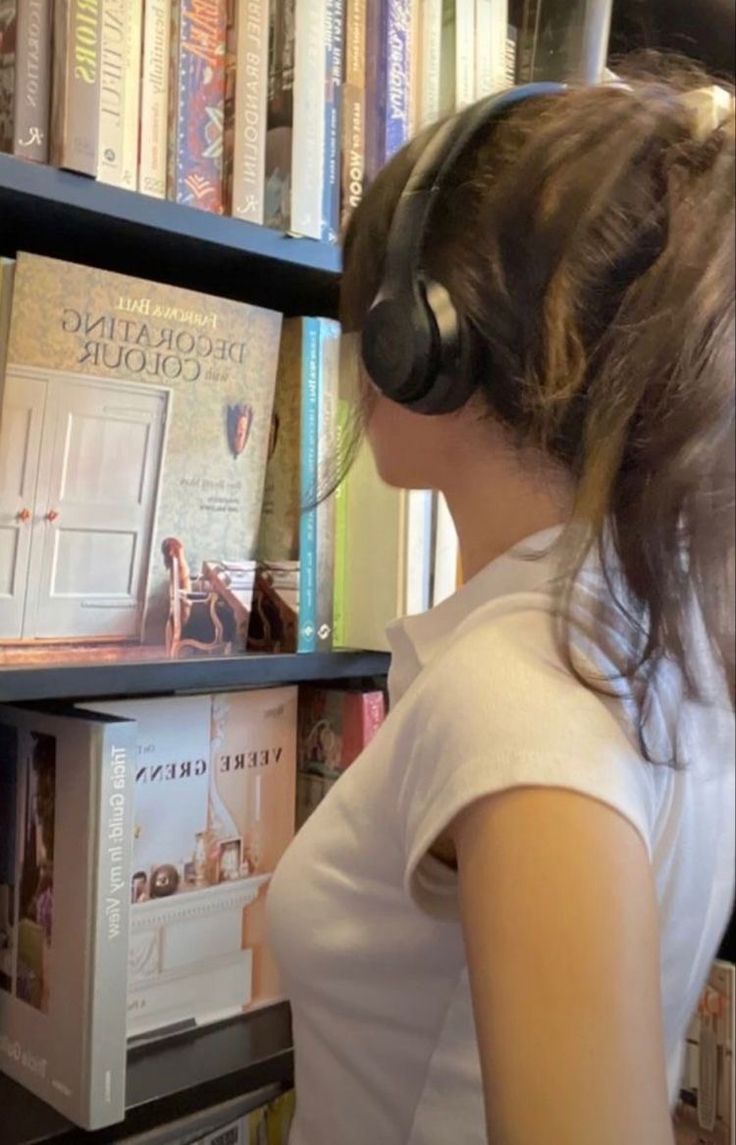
(67, 216)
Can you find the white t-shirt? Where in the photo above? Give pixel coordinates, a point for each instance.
(365, 923)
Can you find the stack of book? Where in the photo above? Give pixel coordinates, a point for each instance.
(276, 113)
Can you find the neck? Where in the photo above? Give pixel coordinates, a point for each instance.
(497, 500)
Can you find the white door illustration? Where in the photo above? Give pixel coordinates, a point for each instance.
(97, 467)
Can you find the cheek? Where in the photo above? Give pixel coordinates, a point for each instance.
(407, 446)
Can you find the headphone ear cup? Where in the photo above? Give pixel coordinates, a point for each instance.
(400, 346)
(452, 378)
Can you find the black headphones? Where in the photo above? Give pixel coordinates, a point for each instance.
(415, 346)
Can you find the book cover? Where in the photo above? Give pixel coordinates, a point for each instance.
(353, 108)
(65, 834)
(214, 811)
(154, 115)
(308, 144)
(334, 32)
(120, 82)
(246, 92)
(133, 439)
(706, 1110)
(25, 78)
(290, 546)
(197, 102)
(280, 114)
(75, 87)
(335, 725)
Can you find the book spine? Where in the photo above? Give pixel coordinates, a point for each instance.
(307, 635)
(375, 88)
(327, 455)
(512, 39)
(353, 108)
(430, 30)
(447, 59)
(280, 115)
(32, 103)
(76, 85)
(132, 63)
(464, 53)
(112, 84)
(330, 221)
(308, 140)
(484, 80)
(338, 625)
(250, 82)
(106, 1045)
(398, 76)
(499, 32)
(154, 113)
(196, 173)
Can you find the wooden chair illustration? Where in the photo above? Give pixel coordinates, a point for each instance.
(197, 619)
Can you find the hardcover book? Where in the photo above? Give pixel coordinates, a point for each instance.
(120, 85)
(330, 222)
(292, 607)
(75, 90)
(246, 108)
(154, 125)
(353, 108)
(197, 104)
(66, 794)
(214, 811)
(25, 78)
(280, 114)
(308, 148)
(133, 436)
(335, 725)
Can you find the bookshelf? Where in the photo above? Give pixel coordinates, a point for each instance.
(180, 1082)
(67, 216)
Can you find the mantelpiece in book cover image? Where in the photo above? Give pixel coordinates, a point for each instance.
(214, 811)
(133, 442)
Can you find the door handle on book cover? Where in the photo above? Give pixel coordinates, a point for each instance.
(52, 515)
(23, 515)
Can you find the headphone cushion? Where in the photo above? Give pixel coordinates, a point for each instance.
(399, 347)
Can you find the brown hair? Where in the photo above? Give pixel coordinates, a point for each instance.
(588, 240)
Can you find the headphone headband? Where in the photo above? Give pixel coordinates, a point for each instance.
(412, 339)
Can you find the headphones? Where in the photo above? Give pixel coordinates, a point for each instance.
(415, 346)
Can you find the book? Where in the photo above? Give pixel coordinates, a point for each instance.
(25, 78)
(389, 85)
(457, 67)
(75, 85)
(334, 32)
(120, 85)
(66, 797)
(430, 48)
(270, 1124)
(197, 104)
(154, 117)
(338, 596)
(134, 431)
(280, 114)
(213, 813)
(294, 584)
(246, 92)
(706, 1110)
(308, 140)
(353, 108)
(491, 25)
(335, 725)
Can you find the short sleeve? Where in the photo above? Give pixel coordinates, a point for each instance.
(499, 711)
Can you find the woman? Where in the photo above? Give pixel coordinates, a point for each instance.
(497, 925)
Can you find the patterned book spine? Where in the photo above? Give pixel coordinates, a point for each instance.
(76, 85)
(154, 114)
(327, 452)
(464, 53)
(33, 81)
(333, 72)
(106, 1043)
(397, 80)
(353, 108)
(199, 35)
(499, 34)
(307, 636)
(512, 41)
(308, 140)
(246, 109)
